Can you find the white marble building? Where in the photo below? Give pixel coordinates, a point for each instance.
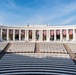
(38, 33)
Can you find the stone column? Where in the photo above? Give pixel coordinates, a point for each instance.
(41, 36)
(48, 35)
(73, 34)
(54, 35)
(60, 34)
(27, 37)
(13, 34)
(7, 34)
(0, 34)
(67, 35)
(19, 35)
(33, 35)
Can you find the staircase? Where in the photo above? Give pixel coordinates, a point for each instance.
(71, 54)
(2, 53)
(36, 48)
(30, 64)
(36, 63)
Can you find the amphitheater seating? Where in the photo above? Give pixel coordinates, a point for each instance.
(20, 62)
(21, 47)
(72, 47)
(37, 63)
(52, 47)
(2, 45)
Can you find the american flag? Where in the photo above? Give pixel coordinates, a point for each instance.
(70, 31)
(23, 32)
(4, 31)
(52, 32)
(58, 32)
(64, 32)
(37, 32)
(11, 31)
(17, 32)
(30, 32)
(44, 32)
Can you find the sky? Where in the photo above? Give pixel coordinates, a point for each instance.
(37, 12)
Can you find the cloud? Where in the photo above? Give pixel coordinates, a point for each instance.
(12, 4)
(44, 14)
(68, 20)
(66, 15)
(33, 1)
(58, 13)
(1, 17)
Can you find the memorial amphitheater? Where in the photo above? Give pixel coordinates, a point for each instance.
(38, 50)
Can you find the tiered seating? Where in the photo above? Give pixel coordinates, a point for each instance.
(72, 47)
(37, 63)
(2, 45)
(52, 47)
(21, 47)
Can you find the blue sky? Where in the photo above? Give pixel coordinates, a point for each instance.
(37, 12)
